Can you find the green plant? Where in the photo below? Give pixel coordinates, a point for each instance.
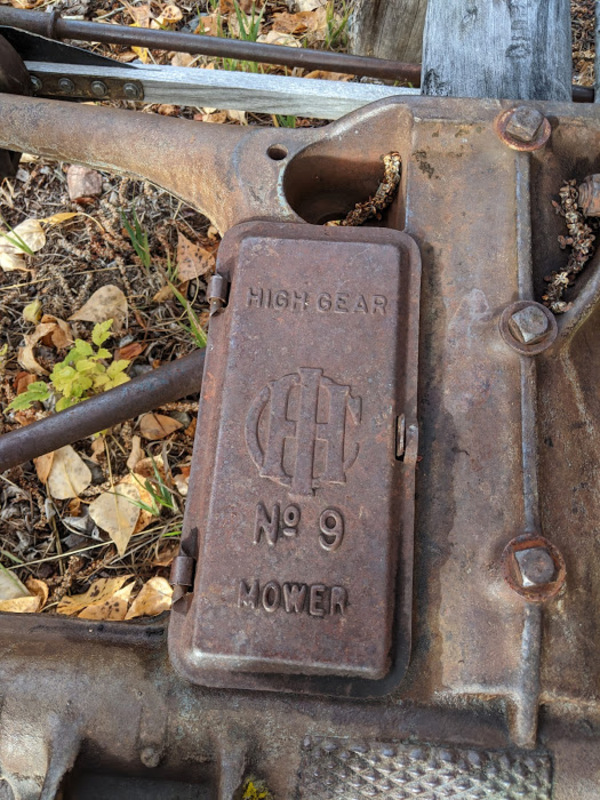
(249, 31)
(14, 238)
(336, 34)
(285, 120)
(195, 329)
(139, 238)
(81, 374)
(160, 494)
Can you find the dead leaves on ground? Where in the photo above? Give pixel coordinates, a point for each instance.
(64, 473)
(109, 599)
(108, 302)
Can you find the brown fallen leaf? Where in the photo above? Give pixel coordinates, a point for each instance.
(192, 259)
(279, 37)
(183, 60)
(38, 589)
(209, 25)
(169, 15)
(69, 475)
(284, 22)
(129, 351)
(101, 589)
(310, 5)
(22, 381)
(163, 294)
(63, 216)
(108, 302)
(136, 454)
(166, 555)
(98, 449)
(211, 116)
(154, 598)
(26, 237)
(158, 426)
(43, 465)
(58, 335)
(114, 607)
(117, 513)
(322, 74)
(21, 605)
(141, 14)
(10, 586)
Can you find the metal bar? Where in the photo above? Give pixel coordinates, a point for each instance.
(53, 26)
(267, 94)
(164, 385)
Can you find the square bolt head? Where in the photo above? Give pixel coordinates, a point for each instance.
(529, 325)
(524, 123)
(536, 566)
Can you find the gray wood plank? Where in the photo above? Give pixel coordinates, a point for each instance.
(516, 49)
(223, 89)
(387, 28)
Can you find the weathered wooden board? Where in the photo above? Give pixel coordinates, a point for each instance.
(387, 28)
(517, 49)
(223, 89)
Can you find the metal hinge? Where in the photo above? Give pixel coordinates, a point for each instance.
(182, 575)
(218, 290)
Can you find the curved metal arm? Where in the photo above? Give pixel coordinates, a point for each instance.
(225, 172)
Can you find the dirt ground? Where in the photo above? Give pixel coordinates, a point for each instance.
(58, 533)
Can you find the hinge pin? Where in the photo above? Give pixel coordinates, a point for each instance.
(217, 294)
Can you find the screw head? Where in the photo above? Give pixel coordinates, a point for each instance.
(131, 91)
(36, 83)
(536, 566)
(150, 757)
(66, 85)
(529, 325)
(99, 89)
(524, 123)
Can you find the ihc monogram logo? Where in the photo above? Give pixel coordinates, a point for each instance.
(296, 431)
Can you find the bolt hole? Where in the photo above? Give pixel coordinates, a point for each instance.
(277, 152)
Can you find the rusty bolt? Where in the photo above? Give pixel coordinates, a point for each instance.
(131, 91)
(529, 325)
(536, 566)
(589, 196)
(524, 123)
(99, 89)
(66, 85)
(533, 567)
(36, 83)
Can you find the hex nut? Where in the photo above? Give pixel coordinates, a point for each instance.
(529, 325)
(66, 85)
(536, 566)
(131, 91)
(524, 123)
(99, 89)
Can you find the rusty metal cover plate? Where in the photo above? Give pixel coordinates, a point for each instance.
(302, 488)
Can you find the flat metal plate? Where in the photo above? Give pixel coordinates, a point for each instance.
(298, 504)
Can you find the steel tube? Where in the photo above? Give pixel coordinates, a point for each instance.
(163, 385)
(55, 27)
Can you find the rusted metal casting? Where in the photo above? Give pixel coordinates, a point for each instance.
(166, 384)
(508, 443)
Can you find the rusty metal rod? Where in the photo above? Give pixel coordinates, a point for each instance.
(53, 26)
(163, 385)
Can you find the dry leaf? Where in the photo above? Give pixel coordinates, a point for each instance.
(158, 426)
(181, 481)
(57, 219)
(211, 116)
(141, 15)
(208, 25)
(28, 234)
(10, 586)
(114, 607)
(117, 513)
(21, 605)
(69, 475)
(43, 465)
(136, 454)
(129, 351)
(321, 74)
(74, 507)
(154, 598)
(237, 116)
(26, 358)
(100, 590)
(279, 37)
(108, 302)
(33, 311)
(163, 294)
(192, 259)
(170, 15)
(11, 262)
(183, 60)
(166, 555)
(58, 334)
(22, 381)
(38, 589)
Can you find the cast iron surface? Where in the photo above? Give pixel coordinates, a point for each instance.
(300, 505)
(508, 447)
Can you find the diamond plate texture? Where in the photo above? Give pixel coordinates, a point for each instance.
(339, 769)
